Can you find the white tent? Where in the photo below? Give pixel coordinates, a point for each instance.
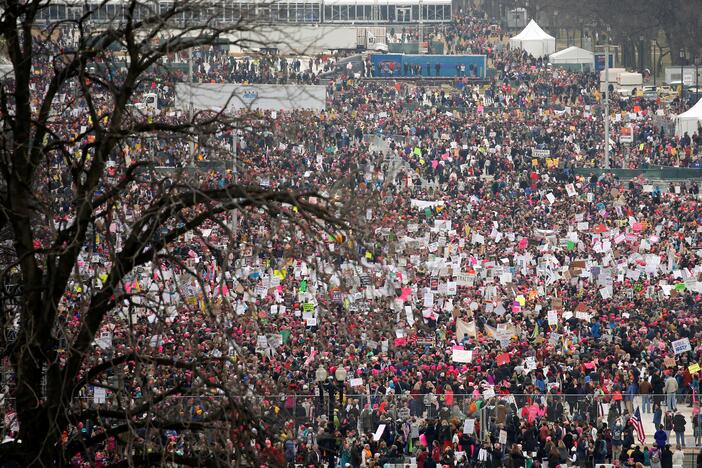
(534, 40)
(573, 55)
(689, 120)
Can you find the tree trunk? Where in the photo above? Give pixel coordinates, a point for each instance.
(40, 442)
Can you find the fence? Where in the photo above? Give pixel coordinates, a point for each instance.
(661, 173)
(409, 418)
(654, 173)
(481, 415)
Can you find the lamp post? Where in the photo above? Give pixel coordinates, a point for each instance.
(235, 173)
(191, 110)
(697, 76)
(654, 66)
(340, 376)
(606, 99)
(682, 80)
(642, 56)
(421, 25)
(320, 376)
(526, 8)
(606, 107)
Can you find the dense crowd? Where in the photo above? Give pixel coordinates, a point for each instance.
(526, 105)
(217, 65)
(502, 310)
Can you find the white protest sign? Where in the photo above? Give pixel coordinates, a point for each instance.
(379, 432)
(469, 426)
(275, 340)
(358, 382)
(682, 345)
(530, 363)
(504, 337)
(552, 317)
(99, 395)
(105, 340)
(262, 341)
(582, 316)
(462, 355)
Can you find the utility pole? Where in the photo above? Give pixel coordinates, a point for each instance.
(606, 107)
(190, 109)
(606, 47)
(421, 26)
(697, 77)
(653, 66)
(682, 75)
(235, 169)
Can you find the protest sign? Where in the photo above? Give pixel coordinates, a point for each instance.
(357, 382)
(462, 355)
(379, 432)
(99, 395)
(681, 346)
(552, 317)
(469, 426)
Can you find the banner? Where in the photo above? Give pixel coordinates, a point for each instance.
(465, 328)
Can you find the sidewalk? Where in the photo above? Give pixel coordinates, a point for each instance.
(650, 430)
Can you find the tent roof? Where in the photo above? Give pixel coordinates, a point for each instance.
(573, 52)
(532, 32)
(694, 111)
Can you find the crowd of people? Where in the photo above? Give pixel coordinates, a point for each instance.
(497, 309)
(219, 66)
(526, 105)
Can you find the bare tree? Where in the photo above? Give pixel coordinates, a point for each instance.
(77, 150)
(634, 24)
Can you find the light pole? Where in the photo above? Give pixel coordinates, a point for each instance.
(606, 107)
(653, 66)
(190, 108)
(340, 376)
(606, 101)
(320, 376)
(235, 169)
(642, 56)
(682, 79)
(697, 76)
(421, 26)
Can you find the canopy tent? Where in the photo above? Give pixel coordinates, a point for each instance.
(689, 120)
(534, 41)
(583, 59)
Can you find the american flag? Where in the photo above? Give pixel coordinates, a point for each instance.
(635, 421)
